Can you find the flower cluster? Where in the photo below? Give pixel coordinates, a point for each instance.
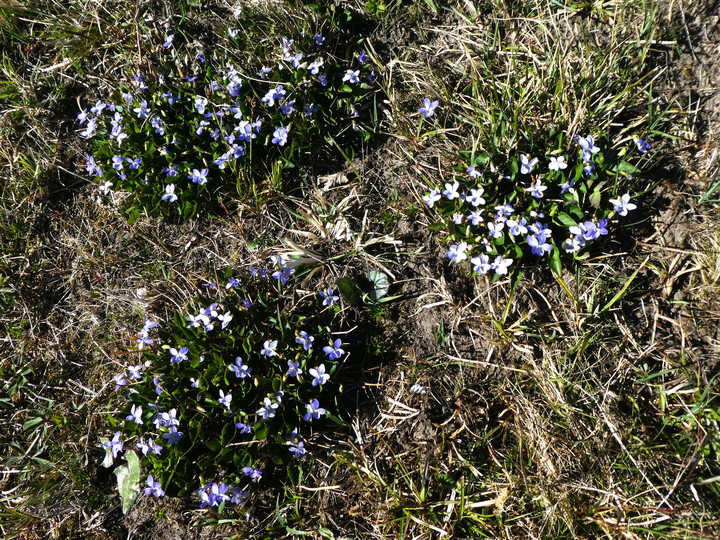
(183, 135)
(227, 373)
(535, 210)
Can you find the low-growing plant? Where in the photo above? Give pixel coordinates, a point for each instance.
(503, 209)
(225, 398)
(196, 128)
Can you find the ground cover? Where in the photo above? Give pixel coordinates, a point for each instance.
(570, 392)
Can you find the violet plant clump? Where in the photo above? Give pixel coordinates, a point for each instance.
(531, 207)
(199, 128)
(228, 395)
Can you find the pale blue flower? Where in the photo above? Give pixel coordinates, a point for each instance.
(118, 163)
(495, 228)
(298, 449)
(170, 98)
(516, 228)
(623, 205)
(153, 488)
(169, 194)
(225, 399)
(200, 104)
(294, 368)
(294, 59)
(506, 210)
(225, 319)
(135, 415)
(168, 40)
(557, 163)
(472, 172)
(318, 374)
(588, 147)
(98, 108)
(166, 420)
(268, 409)
(213, 494)
(115, 445)
(288, 108)
(273, 94)
(254, 474)
(643, 145)
(119, 381)
(428, 108)
(432, 197)
(328, 296)
(199, 176)
(234, 86)
(90, 129)
(501, 265)
(481, 264)
(334, 352)
(319, 40)
(134, 163)
(239, 369)
(134, 372)
(538, 245)
(567, 187)
(457, 218)
(244, 428)
(305, 340)
(536, 189)
(173, 436)
(475, 197)
(457, 252)
(157, 123)
(268, 349)
(314, 67)
(178, 355)
(280, 135)
(475, 217)
(362, 57)
(156, 383)
(351, 76)
(314, 411)
(91, 167)
(527, 164)
(451, 190)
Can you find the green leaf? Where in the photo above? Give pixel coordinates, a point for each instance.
(628, 168)
(349, 291)
(379, 284)
(554, 261)
(189, 209)
(576, 211)
(128, 479)
(566, 220)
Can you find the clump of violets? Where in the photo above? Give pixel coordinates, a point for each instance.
(531, 206)
(177, 138)
(224, 373)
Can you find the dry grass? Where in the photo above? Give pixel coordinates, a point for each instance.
(582, 409)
